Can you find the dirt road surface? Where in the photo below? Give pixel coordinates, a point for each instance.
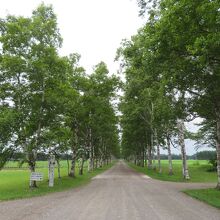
(119, 193)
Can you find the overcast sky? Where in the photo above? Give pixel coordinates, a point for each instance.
(92, 28)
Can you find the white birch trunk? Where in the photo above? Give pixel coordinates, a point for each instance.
(149, 157)
(68, 164)
(185, 171)
(158, 153)
(40, 114)
(158, 159)
(90, 162)
(74, 147)
(142, 159)
(51, 170)
(169, 156)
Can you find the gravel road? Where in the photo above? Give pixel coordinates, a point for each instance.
(119, 193)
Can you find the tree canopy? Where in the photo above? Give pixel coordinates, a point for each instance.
(47, 102)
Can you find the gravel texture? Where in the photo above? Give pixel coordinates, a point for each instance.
(118, 193)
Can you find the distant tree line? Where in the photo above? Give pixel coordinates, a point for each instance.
(202, 155)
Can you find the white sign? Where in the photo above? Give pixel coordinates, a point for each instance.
(36, 176)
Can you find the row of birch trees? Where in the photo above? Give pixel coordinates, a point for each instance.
(47, 102)
(172, 70)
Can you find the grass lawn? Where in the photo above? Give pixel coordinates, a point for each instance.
(198, 173)
(197, 170)
(210, 196)
(14, 183)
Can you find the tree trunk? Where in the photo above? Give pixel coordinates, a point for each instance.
(58, 168)
(93, 160)
(31, 154)
(101, 163)
(101, 156)
(158, 153)
(40, 115)
(90, 161)
(145, 157)
(96, 163)
(81, 164)
(185, 171)
(73, 165)
(33, 184)
(169, 156)
(135, 160)
(149, 157)
(31, 157)
(142, 158)
(218, 149)
(68, 164)
(74, 147)
(158, 158)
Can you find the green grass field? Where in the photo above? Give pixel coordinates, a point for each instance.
(14, 182)
(197, 170)
(210, 196)
(198, 173)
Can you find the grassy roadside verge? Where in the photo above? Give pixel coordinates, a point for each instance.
(14, 183)
(198, 172)
(210, 196)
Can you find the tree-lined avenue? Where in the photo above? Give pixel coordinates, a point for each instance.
(119, 193)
